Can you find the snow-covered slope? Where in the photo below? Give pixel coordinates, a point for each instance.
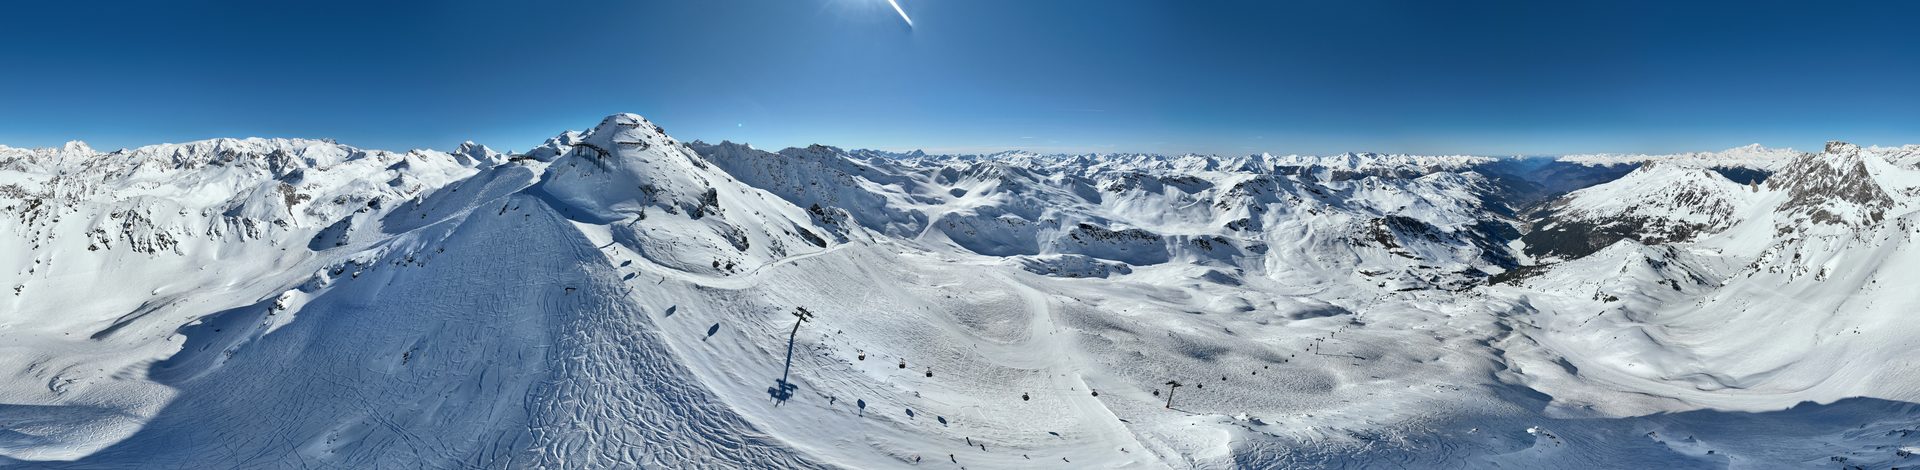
(616, 298)
(1790, 296)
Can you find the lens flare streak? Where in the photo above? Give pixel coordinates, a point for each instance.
(903, 13)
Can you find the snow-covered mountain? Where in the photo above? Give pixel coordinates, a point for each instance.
(618, 298)
(1789, 295)
(1657, 203)
(1753, 157)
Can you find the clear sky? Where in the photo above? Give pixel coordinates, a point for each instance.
(1318, 76)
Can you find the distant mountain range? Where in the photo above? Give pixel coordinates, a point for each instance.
(617, 298)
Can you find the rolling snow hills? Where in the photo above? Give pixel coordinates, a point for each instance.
(617, 298)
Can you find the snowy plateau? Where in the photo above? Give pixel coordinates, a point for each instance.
(616, 298)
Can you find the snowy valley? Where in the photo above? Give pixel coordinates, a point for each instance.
(617, 298)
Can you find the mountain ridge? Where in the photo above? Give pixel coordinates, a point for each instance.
(617, 297)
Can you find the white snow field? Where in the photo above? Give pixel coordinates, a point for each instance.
(616, 299)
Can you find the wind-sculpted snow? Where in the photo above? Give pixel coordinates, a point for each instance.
(614, 298)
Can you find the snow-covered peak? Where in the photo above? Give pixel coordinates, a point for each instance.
(473, 154)
(665, 197)
(1657, 203)
(731, 146)
(75, 147)
(1751, 156)
(622, 167)
(1658, 189)
(1835, 147)
(626, 125)
(554, 147)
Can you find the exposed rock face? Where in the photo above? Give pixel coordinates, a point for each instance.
(1832, 188)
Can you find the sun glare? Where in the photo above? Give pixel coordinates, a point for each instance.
(903, 13)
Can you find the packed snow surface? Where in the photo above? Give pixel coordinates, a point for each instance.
(617, 298)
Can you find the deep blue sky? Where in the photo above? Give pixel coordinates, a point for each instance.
(1317, 76)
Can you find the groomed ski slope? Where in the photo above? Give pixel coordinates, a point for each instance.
(618, 299)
